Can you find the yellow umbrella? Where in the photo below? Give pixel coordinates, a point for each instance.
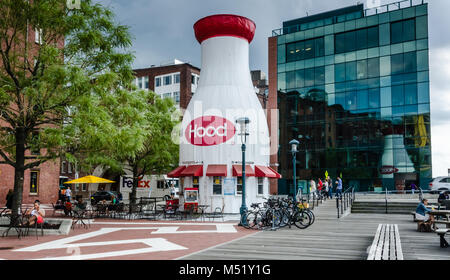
(89, 180)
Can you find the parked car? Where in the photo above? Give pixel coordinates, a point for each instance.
(105, 195)
(439, 184)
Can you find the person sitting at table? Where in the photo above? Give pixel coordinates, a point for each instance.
(422, 212)
(443, 196)
(79, 204)
(36, 214)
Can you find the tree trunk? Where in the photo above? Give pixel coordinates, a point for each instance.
(134, 189)
(19, 170)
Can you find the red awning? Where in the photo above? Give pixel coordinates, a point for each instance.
(176, 172)
(237, 171)
(192, 170)
(216, 170)
(278, 174)
(264, 171)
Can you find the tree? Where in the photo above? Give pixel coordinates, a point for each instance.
(52, 90)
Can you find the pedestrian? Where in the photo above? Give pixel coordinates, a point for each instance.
(330, 187)
(9, 199)
(413, 187)
(326, 188)
(68, 194)
(339, 186)
(313, 188)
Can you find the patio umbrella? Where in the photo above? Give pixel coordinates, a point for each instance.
(89, 180)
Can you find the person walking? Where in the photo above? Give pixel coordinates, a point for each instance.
(9, 199)
(313, 188)
(339, 187)
(330, 187)
(68, 194)
(326, 189)
(413, 187)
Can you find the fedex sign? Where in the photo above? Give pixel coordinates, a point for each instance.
(128, 183)
(209, 131)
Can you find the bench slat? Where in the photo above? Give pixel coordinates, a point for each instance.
(373, 248)
(386, 243)
(379, 249)
(398, 244)
(393, 251)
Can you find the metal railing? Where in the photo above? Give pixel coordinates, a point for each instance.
(345, 201)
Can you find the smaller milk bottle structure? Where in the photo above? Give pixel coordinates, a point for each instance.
(210, 162)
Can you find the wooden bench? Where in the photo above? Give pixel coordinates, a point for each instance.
(442, 232)
(386, 245)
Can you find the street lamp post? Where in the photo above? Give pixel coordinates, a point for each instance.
(294, 149)
(243, 125)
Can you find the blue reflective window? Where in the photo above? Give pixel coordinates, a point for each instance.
(361, 66)
(339, 72)
(373, 66)
(374, 98)
(350, 71)
(351, 99)
(410, 94)
(305, 49)
(363, 99)
(309, 77)
(403, 31)
(319, 75)
(372, 37)
(300, 78)
(398, 97)
(290, 80)
(361, 39)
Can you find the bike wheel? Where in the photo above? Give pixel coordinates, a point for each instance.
(273, 218)
(250, 220)
(285, 218)
(312, 216)
(302, 220)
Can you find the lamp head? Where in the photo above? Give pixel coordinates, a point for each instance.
(294, 145)
(243, 124)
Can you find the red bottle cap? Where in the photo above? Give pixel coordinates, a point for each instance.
(224, 25)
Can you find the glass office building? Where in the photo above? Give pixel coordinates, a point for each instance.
(353, 88)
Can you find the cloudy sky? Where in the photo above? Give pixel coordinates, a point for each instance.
(162, 31)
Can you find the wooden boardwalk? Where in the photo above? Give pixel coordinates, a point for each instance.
(329, 238)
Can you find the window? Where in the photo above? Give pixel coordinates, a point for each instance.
(63, 167)
(160, 184)
(339, 72)
(167, 80)
(404, 63)
(177, 78)
(193, 79)
(176, 97)
(38, 35)
(158, 82)
(403, 31)
(410, 91)
(217, 185)
(146, 82)
(361, 69)
(397, 95)
(239, 186)
(373, 66)
(260, 185)
(34, 182)
(300, 78)
(374, 98)
(139, 82)
(309, 77)
(84, 187)
(195, 182)
(350, 71)
(305, 49)
(69, 167)
(356, 40)
(319, 73)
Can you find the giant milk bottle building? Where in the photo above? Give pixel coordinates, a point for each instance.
(352, 85)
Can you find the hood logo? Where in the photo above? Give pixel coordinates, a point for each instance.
(388, 169)
(209, 131)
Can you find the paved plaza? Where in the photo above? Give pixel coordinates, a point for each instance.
(347, 238)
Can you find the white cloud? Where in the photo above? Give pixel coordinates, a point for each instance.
(440, 110)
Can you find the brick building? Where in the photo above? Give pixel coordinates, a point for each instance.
(175, 79)
(40, 182)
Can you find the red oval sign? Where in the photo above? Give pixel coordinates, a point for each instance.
(209, 131)
(388, 169)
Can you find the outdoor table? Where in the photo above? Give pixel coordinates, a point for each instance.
(441, 213)
(202, 208)
(79, 216)
(2, 211)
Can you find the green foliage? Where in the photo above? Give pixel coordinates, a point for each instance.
(71, 94)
